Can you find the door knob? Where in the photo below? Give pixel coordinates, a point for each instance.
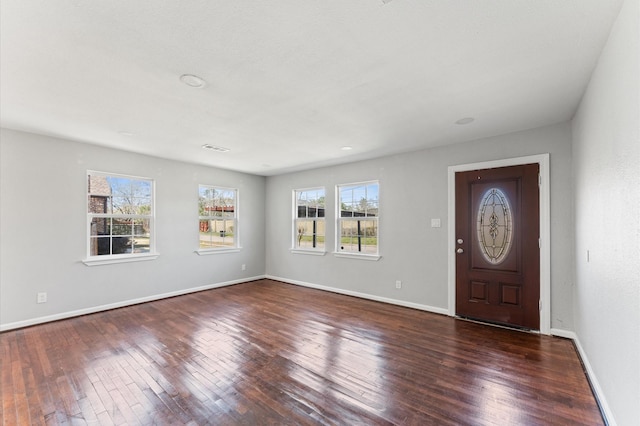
(459, 251)
(460, 241)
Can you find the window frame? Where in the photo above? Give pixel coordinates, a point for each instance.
(94, 260)
(339, 219)
(295, 219)
(236, 221)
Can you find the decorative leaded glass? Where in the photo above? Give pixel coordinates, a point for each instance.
(495, 226)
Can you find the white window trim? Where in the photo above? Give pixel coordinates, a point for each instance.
(311, 252)
(294, 213)
(363, 256)
(223, 250)
(352, 255)
(120, 258)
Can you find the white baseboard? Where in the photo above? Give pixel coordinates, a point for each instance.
(595, 385)
(419, 306)
(563, 333)
(94, 309)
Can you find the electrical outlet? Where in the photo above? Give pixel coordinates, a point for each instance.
(398, 284)
(244, 267)
(42, 297)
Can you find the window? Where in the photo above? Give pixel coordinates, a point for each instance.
(358, 218)
(309, 226)
(218, 213)
(120, 216)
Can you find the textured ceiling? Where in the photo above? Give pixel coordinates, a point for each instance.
(291, 82)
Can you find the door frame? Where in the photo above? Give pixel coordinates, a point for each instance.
(545, 229)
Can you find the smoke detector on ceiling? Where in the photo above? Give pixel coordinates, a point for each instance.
(193, 81)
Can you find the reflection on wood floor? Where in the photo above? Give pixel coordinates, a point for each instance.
(266, 352)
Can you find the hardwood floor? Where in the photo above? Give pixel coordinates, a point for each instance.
(266, 352)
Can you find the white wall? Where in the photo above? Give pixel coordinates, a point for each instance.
(606, 152)
(413, 189)
(43, 229)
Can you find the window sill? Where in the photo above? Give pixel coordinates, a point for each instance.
(108, 260)
(373, 257)
(308, 252)
(207, 252)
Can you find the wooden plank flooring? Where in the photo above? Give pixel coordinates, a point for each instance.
(271, 353)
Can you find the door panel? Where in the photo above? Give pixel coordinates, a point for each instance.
(498, 256)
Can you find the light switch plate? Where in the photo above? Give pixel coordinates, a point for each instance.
(435, 223)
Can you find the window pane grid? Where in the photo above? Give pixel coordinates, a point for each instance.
(358, 210)
(120, 214)
(310, 234)
(217, 217)
(309, 213)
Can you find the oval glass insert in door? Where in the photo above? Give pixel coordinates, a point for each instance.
(495, 226)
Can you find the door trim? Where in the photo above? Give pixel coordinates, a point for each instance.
(545, 230)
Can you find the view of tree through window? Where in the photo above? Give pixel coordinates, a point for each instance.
(120, 212)
(358, 218)
(309, 225)
(218, 217)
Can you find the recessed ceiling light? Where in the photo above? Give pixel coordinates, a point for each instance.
(215, 148)
(193, 81)
(346, 148)
(465, 120)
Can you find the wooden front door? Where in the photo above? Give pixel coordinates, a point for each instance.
(497, 245)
